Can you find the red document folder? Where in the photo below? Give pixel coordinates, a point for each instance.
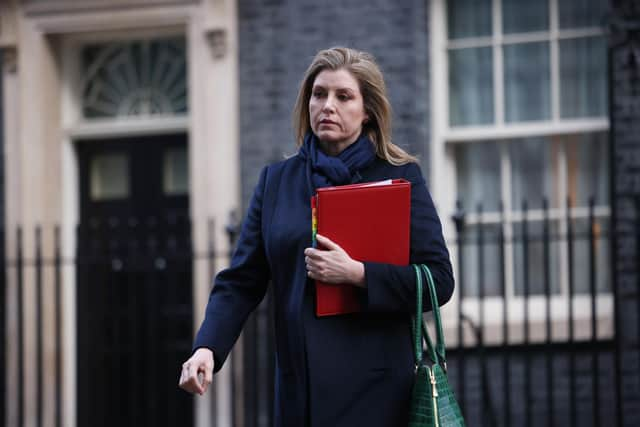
(371, 223)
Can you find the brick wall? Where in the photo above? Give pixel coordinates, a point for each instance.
(625, 150)
(278, 39)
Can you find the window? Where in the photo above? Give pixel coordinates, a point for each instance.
(175, 176)
(109, 177)
(512, 61)
(529, 170)
(523, 131)
(134, 78)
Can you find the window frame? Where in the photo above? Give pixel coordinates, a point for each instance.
(498, 39)
(442, 167)
(77, 126)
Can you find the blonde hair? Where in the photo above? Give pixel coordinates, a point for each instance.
(364, 69)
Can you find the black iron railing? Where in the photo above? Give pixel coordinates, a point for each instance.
(525, 348)
(15, 269)
(545, 362)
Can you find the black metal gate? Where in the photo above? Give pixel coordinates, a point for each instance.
(538, 355)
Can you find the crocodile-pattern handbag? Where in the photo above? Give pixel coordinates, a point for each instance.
(432, 401)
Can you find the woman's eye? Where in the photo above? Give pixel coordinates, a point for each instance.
(317, 94)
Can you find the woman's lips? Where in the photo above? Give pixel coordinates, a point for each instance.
(327, 122)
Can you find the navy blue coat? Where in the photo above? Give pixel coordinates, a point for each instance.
(350, 370)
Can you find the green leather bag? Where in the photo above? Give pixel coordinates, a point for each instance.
(432, 401)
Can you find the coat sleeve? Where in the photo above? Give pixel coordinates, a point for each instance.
(391, 288)
(238, 289)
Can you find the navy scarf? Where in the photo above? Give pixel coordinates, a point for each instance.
(326, 171)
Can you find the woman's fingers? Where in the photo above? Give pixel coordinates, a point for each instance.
(189, 379)
(327, 243)
(331, 264)
(207, 378)
(197, 372)
(314, 261)
(313, 254)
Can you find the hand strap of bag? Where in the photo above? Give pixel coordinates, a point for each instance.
(436, 353)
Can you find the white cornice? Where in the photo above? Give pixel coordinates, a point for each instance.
(521, 130)
(44, 7)
(116, 20)
(99, 129)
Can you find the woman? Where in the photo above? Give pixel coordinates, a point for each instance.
(348, 370)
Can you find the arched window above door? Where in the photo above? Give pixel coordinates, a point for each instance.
(134, 78)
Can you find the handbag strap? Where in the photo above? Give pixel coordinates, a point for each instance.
(440, 346)
(436, 353)
(416, 321)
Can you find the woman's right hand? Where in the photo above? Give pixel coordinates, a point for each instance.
(197, 372)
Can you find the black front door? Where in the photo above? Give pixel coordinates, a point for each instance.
(134, 274)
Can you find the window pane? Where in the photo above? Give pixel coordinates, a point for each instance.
(588, 168)
(529, 245)
(582, 13)
(176, 177)
(581, 252)
(521, 17)
(109, 177)
(471, 86)
(478, 175)
(534, 166)
(583, 85)
(527, 82)
(469, 18)
(135, 78)
(481, 243)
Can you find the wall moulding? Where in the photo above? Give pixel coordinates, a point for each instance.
(40, 7)
(218, 40)
(93, 23)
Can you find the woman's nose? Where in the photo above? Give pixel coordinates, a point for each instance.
(328, 104)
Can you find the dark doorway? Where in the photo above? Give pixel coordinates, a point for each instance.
(134, 275)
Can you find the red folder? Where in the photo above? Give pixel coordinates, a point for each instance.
(370, 222)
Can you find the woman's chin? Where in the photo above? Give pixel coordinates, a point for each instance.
(327, 136)
(331, 138)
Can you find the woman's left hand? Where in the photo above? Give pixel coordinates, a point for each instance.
(333, 264)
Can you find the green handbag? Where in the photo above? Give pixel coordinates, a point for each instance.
(432, 401)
